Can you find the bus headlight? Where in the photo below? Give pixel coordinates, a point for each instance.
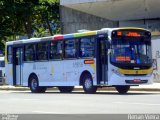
(117, 72)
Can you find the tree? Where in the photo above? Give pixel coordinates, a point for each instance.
(47, 13)
(32, 18)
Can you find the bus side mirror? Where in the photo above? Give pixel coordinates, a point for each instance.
(108, 45)
(154, 64)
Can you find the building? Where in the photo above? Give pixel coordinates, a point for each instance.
(97, 14)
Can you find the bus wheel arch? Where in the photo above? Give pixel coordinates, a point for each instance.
(32, 74)
(87, 82)
(66, 89)
(82, 76)
(33, 83)
(122, 89)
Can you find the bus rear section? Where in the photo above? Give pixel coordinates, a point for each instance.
(2, 71)
(62, 61)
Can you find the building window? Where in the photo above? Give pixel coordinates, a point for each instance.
(87, 48)
(70, 50)
(9, 54)
(30, 52)
(56, 50)
(42, 51)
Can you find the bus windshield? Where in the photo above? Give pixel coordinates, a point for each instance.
(135, 52)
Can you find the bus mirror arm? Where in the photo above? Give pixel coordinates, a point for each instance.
(108, 44)
(109, 51)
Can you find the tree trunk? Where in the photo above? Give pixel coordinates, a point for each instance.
(49, 27)
(28, 27)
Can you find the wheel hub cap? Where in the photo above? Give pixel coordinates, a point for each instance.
(34, 84)
(88, 83)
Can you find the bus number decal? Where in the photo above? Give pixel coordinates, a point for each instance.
(77, 64)
(88, 61)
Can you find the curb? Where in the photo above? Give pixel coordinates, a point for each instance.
(81, 89)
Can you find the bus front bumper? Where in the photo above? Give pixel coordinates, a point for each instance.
(130, 80)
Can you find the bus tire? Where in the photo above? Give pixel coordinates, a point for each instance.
(122, 89)
(34, 85)
(88, 84)
(66, 89)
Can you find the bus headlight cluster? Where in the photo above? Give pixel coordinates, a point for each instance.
(116, 72)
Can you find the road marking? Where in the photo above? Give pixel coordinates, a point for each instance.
(45, 112)
(5, 91)
(131, 103)
(31, 99)
(24, 99)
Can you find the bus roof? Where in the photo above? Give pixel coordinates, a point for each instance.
(56, 37)
(123, 28)
(70, 36)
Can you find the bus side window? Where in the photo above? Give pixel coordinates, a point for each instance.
(30, 52)
(17, 60)
(55, 50)
(87, 47)
(9, 54)
(70, 50)
(42, 51)
(2, 64)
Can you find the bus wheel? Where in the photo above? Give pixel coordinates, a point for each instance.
(34, 85)
(122, 89)
(88, 84)
(66, 89)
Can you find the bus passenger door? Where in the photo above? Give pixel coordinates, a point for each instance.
(102, 61)
(17, 65)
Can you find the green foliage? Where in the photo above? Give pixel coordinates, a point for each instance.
(32, 18)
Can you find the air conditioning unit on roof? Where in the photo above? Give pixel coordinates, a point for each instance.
(83, 30)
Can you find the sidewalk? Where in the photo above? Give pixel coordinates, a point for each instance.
(153, 87)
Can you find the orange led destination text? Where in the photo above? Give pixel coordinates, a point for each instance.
(122, 58)
(89, 62)
(119, 33)
(133, 34)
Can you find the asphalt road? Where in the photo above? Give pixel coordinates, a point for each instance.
(53, 102)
